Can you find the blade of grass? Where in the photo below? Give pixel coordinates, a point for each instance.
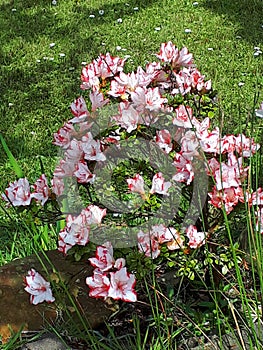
(13, 162)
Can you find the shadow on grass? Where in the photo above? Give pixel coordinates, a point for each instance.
(38, 89)
(248, 13)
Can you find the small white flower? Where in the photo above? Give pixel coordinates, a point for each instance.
(45, 58)
(136, 8)
(256, 48)
(238, 37)
(123, 49)
(187, 31)
(195, 3)
(71, 68)
(91, 16)
(51, 58)
(210, 49)
(118, 48)
(10, 104)
(119, 20)
(38, 61)
(83, 63)
(103, 44)
(241, 84)
(52, 45)
(101, 12)
(157, 29)
(54, 2)
(13, 10)
(62, 55)
(256, 54)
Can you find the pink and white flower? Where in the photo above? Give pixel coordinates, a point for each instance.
(57, 186)
(41, 190)
(136, 184)
(148, 244)
(128, 117)
(122, 286)
(18, 193)
(38, 288)
(89, 78)
(184, 167)
(246, 146)
(196, 239)
(164, 140)
(94, 214)
(149, 99)
(159, 185)
(79, 110)
(104, 260)
(184, 115)
(83, 173)
(92, 148)
(64, 135)
(98, 284)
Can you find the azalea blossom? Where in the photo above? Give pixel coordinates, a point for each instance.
(122, 286)
(196, 239)
(128, 117)
(41, 190)
(18, 193)
(104, 260)
(97, 100)
(118, 90)
(83, 173)
(210, 142)
(79, 110)
(164, 140)
(148, 244)
(64, 135)
(246, 146)
(149, 99)
(94, 214)
(159, 185)
(92, 148)
(108, 66)
(183, 117)
(178, 58)
(184, 169)
(98, 284)
(38, 288)
(89, 77)
(227, 198)
(74, 152)
(57, 186)
(136, 184)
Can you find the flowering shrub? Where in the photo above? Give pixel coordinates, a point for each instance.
(151, 165)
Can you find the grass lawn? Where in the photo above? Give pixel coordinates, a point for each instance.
(43, 47)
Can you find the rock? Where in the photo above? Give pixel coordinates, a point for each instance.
(46, 342)
(17, 312)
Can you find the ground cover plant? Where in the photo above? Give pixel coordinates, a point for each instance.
(240, 100)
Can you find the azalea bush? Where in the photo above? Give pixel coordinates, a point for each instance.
(144, 177)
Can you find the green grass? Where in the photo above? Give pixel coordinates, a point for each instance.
(37, 85)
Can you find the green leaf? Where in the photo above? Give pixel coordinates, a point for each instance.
(225, 270)
(13, 162)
